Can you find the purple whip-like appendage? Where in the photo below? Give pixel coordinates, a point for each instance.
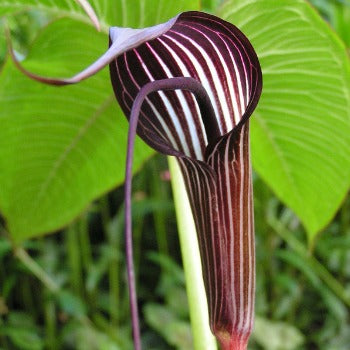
(182, 83)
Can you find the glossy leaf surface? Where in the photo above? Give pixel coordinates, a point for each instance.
(63, 147)
(301, 129)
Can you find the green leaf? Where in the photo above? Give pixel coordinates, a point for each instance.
(210, 5)
(301, 129)
(135, 13)
(21, 329)
(276, 335)
(175, 331)
(71, 304)
(2, 43)
(79, 335)
(24, 338)
(60, 148)
(5, 248)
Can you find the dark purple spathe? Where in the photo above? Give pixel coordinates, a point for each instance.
(216, 170)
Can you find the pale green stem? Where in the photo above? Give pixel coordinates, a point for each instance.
(36, 270)
(203, 339)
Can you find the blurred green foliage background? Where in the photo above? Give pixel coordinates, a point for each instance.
(68, 290)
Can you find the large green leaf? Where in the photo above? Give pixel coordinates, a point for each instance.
(60, 148)
(301, 129)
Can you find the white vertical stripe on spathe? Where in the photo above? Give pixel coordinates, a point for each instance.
(218, 297)
(185, 108)
(201, 74)
(208, 203)
(236, 112)
(154, 109)
(228, 165)
(251, 283)
(241, 235)
(168, 106)
(210, 277)
(204, 186)
(214, 162)
(221, 179)
(126, 92)
(186, 73)
(217, 83)
(241, 94)
(246, 326)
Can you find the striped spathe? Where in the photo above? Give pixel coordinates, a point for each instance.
(216, 167)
